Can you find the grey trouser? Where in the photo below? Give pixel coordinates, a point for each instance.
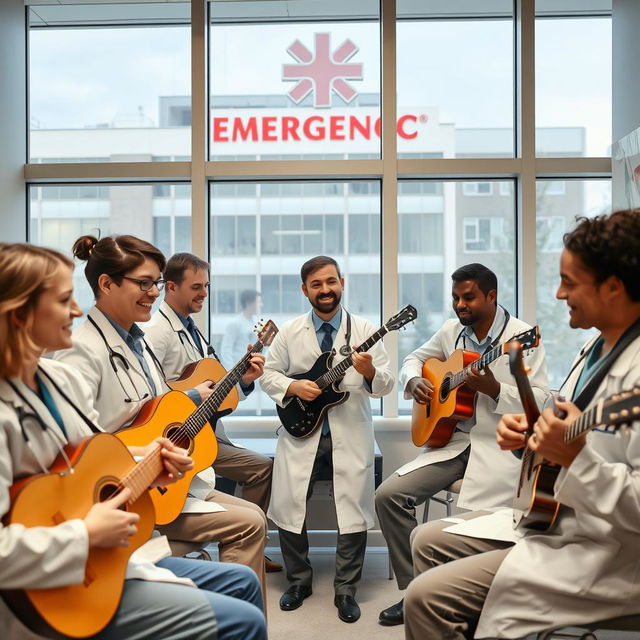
(249, 469)
(453, 576)
(350, 547)
(396, 501)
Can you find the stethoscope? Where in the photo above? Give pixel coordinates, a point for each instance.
(463, 335)
(23, 415)
(115, 357)
(345, 349)
(182, 334)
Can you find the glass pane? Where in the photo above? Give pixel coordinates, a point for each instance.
(455, 80)
(287, 239)
(555, 215)
(443, 225)
(120, 209)
(313, 91)
(573, 86)
(108, 93)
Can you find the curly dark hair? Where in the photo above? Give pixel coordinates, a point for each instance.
(609, 245)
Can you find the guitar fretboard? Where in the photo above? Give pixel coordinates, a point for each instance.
(587, 420)
(203, 413)
(335, 373)
(487, 358)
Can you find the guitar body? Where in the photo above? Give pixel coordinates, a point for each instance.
(301, 418)
(49, 499)
(534, 506)
(164, 416)
(434, 423)
(206, 369)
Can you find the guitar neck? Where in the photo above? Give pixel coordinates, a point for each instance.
(589, 419)
(335, 373)
(223, 387)
(486, 358)
(143, 474)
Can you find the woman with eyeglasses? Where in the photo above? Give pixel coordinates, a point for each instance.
(110, 352)
(46, 404)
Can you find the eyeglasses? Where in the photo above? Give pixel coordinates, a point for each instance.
(145, 284)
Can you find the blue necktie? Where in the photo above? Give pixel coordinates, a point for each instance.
(326, 345)
(191, 328)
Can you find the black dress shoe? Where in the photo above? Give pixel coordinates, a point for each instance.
(293, 597)
(392, 615)
(348, 609)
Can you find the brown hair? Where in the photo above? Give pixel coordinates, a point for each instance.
(26, 272)
(608, 246)
(178, 263)
(114, 256)
(317, 263)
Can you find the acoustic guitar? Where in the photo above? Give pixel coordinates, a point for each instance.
(172, 416)
(452, 401)
(301, 417)
(93, 471)
(534, 506)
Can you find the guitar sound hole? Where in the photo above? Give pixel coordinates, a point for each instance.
(179, 438)
(108, 491)
(445, 388)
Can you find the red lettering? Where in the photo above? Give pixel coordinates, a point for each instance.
(363, 130)
(317, 133)
(269, 129)
(401, 131)
(336, 128)
(290, 128)
(377, 127)
(220, 129)
(243, 132)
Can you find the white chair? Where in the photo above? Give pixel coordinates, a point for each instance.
(447, 501)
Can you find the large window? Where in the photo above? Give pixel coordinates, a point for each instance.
(158, 213)
(287, 159)
(554, 218)
(107, 94)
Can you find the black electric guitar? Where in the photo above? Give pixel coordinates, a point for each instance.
(301, 417)
(534, 506)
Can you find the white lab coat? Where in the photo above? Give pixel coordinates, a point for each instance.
(117, 397)
(491, 473)
(175, 349)
(294, 350)
(46, 557)
(587, 568)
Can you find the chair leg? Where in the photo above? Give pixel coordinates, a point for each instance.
(390, 567)
(449, 505)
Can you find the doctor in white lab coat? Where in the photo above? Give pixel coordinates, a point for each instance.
(45, 404)
(472, 454)
(586, 567)
(347, 441)
(110, 352)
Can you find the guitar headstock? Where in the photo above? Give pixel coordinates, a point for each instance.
(528, 339)
(516, 359)
(266, 332)
(405, 316)
(621, 409)
(519, 371)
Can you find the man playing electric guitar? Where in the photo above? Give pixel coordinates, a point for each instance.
(489, 474)
(585, 568)
(344, 443)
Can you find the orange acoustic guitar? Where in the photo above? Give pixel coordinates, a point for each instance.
(95, 470)
(452, 401)
(534, 505)
(172, 416)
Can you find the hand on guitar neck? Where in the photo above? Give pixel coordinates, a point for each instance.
(548, 437)
(548, 434)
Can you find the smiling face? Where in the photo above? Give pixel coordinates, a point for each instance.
(188, 297)
(54, 313)
(580, 291)
(125, 303)
(471, 305)
(324, 289)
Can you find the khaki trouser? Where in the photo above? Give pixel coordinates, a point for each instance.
(453, 576)
(249, 469)
(240, 532)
